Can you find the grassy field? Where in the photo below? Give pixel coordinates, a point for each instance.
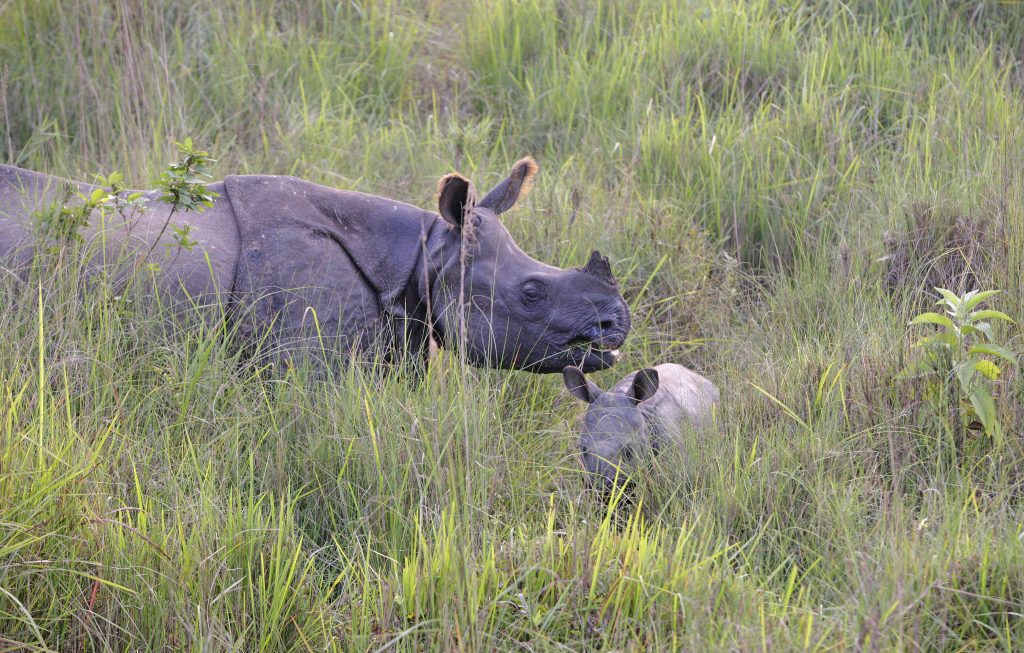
(779, 185)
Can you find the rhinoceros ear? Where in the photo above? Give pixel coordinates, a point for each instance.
(455, 198)
(578, 385)
(645, 384)
(504, 196)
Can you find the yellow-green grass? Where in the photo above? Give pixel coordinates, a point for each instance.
(778, 184)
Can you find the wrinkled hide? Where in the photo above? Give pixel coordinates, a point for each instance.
(642, 414)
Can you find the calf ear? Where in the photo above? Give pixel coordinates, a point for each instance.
(645, 384)
(517, 186)
(455, 198)
(578, 385)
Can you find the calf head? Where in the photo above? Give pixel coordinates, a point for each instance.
(616, 429)
(512, 311)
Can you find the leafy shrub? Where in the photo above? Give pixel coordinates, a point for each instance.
(62, 222)
(184, 187)
(958, 359)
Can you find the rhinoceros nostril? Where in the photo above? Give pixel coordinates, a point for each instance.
(607, 325)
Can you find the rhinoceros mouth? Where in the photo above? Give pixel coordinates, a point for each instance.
(592, 355)
(599, 359)
(588, 358)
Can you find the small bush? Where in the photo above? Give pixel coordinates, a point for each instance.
(958, 361)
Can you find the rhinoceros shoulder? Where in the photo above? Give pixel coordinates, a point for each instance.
(298, 234)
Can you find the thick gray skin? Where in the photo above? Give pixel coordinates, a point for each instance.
(642, 414)
(23, 192)
(320, 268)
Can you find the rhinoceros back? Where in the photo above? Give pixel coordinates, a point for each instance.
(121, 243)
(683, 397)
(22, 193)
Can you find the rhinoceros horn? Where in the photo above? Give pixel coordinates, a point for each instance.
(599, 267)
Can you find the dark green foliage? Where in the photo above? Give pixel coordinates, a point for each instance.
(184, 181)
(183, 184)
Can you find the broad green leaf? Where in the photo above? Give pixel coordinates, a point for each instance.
(989, 314)
(933, 318)
(993, 350)
(974, 300)
(985, 407)
(985, 328)
(950, 297)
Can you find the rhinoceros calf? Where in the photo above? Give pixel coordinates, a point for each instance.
(314, 266)
(641, 414)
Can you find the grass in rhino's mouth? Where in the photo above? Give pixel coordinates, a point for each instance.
(583, 343)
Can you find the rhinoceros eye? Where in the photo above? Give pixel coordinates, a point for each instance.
(533, 293)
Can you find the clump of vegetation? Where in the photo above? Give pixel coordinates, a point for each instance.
(62, 222)
(958, 360)
(127, 206)
(183, 184)
(939, 247)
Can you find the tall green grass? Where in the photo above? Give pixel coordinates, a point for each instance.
(777, 183)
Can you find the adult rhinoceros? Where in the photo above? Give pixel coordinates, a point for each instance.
(312, 265)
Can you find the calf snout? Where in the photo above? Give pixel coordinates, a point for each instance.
(613, 458)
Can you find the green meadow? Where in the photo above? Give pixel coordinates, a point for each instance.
(780, 186)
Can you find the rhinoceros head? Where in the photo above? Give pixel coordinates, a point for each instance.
(514, 311)
(616, 431)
